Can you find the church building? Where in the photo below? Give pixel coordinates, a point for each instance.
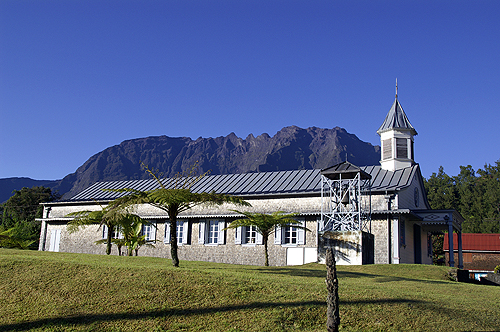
(370, 214)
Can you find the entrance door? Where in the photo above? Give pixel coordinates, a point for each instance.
(417, 243)
(55, 237)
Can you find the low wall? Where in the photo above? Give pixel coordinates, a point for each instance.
(491, 279)
(350, 247)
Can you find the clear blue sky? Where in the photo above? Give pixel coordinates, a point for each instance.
(79, 76)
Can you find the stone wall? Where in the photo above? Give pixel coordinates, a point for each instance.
(350, 247)
(83, 241)
(303, 205)
(380, 231)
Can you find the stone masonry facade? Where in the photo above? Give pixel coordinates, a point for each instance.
(83, 241)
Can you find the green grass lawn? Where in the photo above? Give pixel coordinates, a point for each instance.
(45, 291)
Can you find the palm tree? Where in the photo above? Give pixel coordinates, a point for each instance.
(9, 239)
(131, 229)
(110, 216)
(265, 224)
(173, 197)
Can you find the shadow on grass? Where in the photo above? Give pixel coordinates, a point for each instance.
(295, 272)
(385, 278)
(314, 273)
(86, 319)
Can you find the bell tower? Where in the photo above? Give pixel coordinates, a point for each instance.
(396, 138)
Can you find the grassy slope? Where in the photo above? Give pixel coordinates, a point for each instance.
(59, 292)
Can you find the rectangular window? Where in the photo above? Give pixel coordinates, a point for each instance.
(250, 234)
(180, 231)
(146, 230)
(213, 231)
(290, 235)
(401, 148)
(387, 149)
(117, 232)
(149, 230)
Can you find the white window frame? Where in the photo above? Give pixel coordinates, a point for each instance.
(290, 235)
(280, 234)
(117, 233)
(250, 235)
(181, 238)
(206, 234)
(150, 231)
(244, 236)
(212, 231)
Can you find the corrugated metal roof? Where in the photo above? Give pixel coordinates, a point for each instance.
(475, 242)
(396, 119)
(384, 180)
(344, 170)
(251, 184)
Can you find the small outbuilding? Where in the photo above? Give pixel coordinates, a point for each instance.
(481, 252)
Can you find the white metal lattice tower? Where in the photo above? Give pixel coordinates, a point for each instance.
(343, 207)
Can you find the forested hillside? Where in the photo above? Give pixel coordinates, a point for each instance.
(475, 194)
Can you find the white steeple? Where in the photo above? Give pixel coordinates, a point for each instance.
(396, 138)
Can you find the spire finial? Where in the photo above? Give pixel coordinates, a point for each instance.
(396, 88)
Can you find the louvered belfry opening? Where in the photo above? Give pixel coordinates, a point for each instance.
(401, 148)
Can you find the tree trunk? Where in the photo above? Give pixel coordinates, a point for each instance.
(265, 238)
(109, 237)
(173, 240)
(332, 299)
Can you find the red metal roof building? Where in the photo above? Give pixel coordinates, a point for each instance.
(480, 251)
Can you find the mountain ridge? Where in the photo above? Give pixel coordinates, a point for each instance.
(290, 148)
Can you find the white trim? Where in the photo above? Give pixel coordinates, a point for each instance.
(277, 235)
(237, 235)
(221, 237)
(201, 231)
(185, 232)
